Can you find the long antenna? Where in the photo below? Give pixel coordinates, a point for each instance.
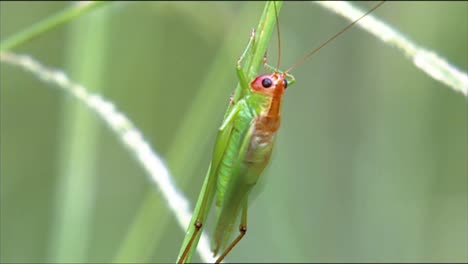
(279, 35)
(332, 38)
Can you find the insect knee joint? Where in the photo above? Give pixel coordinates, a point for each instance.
(242, 229)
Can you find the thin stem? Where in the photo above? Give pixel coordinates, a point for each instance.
(76, 185)
(48, 24)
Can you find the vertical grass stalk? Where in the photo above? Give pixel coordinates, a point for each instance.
(78, 152)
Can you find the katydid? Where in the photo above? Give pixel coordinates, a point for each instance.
(243, 148)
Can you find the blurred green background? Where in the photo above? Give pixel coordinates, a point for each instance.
(370, 163)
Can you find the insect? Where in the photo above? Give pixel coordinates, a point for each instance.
(243, 148)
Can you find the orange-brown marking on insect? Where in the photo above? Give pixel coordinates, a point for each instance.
(269, 121)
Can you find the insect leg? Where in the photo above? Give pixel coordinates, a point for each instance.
(200, 212)
(247, 49)
(208, 190)
(242, 232)
(291, 78)
(198, 226)
(240, 73)
(231, 98)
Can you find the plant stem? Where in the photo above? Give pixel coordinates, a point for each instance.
(72, 227)
(48, 24)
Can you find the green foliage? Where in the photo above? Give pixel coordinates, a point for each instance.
(370, 162)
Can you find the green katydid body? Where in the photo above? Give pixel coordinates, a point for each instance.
(242, 150)
(248, 135)
(243, 147)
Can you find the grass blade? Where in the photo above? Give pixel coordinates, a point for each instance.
(77, 184)
(48, 24)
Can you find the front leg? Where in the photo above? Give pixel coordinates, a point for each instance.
(246, 54)
(231, 98)
(291, 79)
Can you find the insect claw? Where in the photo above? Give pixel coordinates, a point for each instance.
(231, 98)
(264, 60)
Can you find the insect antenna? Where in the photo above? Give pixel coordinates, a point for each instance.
(307, 56)
(278, 35)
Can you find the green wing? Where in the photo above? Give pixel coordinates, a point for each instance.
(248, 162)
(208, 190)
(234, 195)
